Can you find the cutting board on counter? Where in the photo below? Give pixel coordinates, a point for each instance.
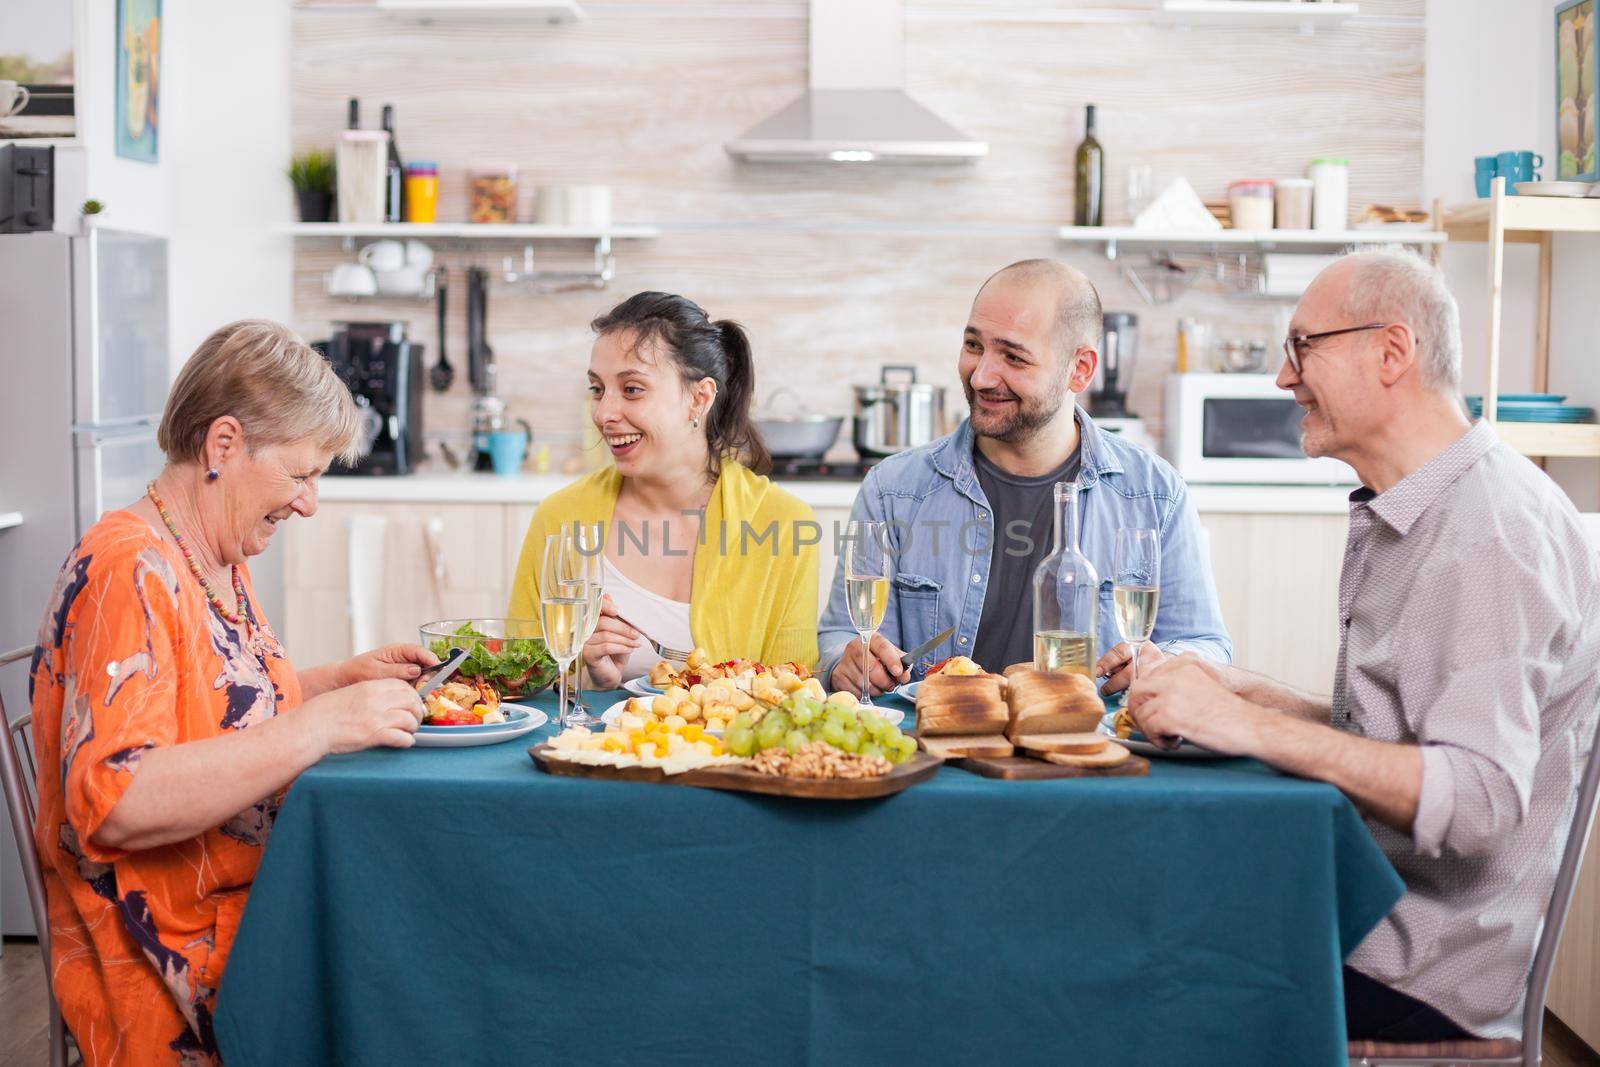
(1018, 768)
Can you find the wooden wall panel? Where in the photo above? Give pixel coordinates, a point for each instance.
(838, 270)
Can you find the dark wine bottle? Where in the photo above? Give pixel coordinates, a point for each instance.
(1089, 195)
(355, 115)
(394, 175)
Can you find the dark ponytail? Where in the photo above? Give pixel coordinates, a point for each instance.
(701, 349)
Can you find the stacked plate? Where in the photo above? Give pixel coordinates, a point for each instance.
(1533, 407)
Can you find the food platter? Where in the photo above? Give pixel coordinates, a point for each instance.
(741, 779)
(614, 713)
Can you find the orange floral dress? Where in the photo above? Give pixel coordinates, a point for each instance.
(132, 656)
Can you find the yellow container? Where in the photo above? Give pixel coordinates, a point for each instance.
(422, 192)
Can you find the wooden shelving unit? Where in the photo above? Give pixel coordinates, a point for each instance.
(1305, 15)
(1116, 237)
(1498, 220)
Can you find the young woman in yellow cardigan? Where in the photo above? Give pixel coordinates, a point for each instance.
(701, 550)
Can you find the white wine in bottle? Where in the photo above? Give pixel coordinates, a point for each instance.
(1064, 651)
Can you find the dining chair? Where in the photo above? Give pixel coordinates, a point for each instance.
(1509, 1051)
(19, 775)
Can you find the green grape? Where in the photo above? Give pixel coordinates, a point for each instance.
(814, 730)
(795, 739)
(852, 739)
(833, 733)
(905, 748)
(870, 721)
(871, 749)
(802, 714)
(743, 720)
(741, 740)
(770, 732)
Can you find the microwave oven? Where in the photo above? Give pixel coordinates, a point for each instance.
(1241, 429)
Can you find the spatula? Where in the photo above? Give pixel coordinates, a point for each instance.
(442, 374)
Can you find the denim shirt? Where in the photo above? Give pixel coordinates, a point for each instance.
(941, 531)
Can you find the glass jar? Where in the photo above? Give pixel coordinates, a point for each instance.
(1292, 199)
(1066, 597)
(422, 191)
(1250, 203)
(494, 193)
(1330, 193)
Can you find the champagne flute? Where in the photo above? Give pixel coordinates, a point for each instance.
(1136, 587)
(866, 587)
(563, 602)
(590, 542)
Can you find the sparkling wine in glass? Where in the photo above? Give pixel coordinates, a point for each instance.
(589, 537)
(866, 586)
(1136, 587)
(563, 611)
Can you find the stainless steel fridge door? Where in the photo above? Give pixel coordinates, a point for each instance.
(120, 364)
(114, 466)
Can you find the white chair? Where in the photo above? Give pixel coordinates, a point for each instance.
(19, 775)
(1509, 1051)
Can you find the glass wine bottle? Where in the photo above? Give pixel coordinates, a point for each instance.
(1089, 194)
(1066, 594)
(394, 175)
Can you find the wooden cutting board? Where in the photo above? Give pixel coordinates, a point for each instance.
(1026, 767)
(742, 780)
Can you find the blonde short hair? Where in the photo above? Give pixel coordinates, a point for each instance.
(279, 388)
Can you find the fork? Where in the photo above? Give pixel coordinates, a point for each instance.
(666, 652)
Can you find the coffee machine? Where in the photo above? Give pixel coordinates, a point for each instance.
(1119, 346)
(382, 368)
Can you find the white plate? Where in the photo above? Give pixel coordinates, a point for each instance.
(641, 687)
(1573, 189)
(894, 715)
(1185, 749)
(908, 691)
(1375, 224)
(529, 720)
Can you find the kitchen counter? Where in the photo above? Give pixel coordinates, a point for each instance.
(447, 487)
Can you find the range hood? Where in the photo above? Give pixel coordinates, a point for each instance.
(856, 109)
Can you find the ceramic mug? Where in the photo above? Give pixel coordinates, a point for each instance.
(507, 450)
(1483, 173)
(418, 255)
(13, 98)
(384, 255)
(406, 281)
(351, 279)
(1517, 167)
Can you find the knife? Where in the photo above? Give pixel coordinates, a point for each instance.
(923, 649)
(433, 677)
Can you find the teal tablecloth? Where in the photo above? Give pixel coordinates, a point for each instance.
(457, 906)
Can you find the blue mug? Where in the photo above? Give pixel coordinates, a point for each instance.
(1483, 168)
(1528, 164)
(507, 450)
(1517, 167)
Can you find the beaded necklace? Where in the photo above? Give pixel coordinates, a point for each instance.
(235, 618)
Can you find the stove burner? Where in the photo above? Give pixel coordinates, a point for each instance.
(816, 470)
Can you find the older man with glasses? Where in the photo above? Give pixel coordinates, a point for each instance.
(1466, 691)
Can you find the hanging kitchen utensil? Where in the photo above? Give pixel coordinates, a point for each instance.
(442, 373)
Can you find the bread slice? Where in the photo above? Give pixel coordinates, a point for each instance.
(975, 716)
(1109, 756)
(957, 747)
(1015, 668)
(942, 688)
(1044, 702)
(1073, 744)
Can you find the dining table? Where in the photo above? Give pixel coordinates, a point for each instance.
(461, 906)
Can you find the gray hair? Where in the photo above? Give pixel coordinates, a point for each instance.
(279, 388)
(1391, 285)
(1079, 320)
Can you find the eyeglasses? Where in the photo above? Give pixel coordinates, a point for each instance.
(1295, 353)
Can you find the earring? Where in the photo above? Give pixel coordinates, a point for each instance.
(695, 422)
(213, 474)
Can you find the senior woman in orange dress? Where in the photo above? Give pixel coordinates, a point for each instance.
(166, 719)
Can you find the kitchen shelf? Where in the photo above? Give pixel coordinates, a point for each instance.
(9, 519)
(508, 231)
(1306, 16)
(1115, 237)
(1524, 219)
(535, 10)
(1551, 439)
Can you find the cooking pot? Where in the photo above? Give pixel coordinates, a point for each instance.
(892, 416)
(801, 435)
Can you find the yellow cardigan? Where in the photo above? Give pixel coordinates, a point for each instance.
(754, 594)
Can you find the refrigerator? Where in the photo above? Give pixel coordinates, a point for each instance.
(85, 355)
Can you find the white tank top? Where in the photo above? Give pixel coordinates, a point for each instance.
(665, 620)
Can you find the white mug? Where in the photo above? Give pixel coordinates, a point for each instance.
(384, 255)
(351, 279)
(574, 205)
(13, 98)
(407, 281)
(418, 255)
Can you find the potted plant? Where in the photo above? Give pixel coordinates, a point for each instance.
(312, 176)
(89, 215)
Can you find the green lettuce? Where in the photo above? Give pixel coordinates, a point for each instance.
(523, 664)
